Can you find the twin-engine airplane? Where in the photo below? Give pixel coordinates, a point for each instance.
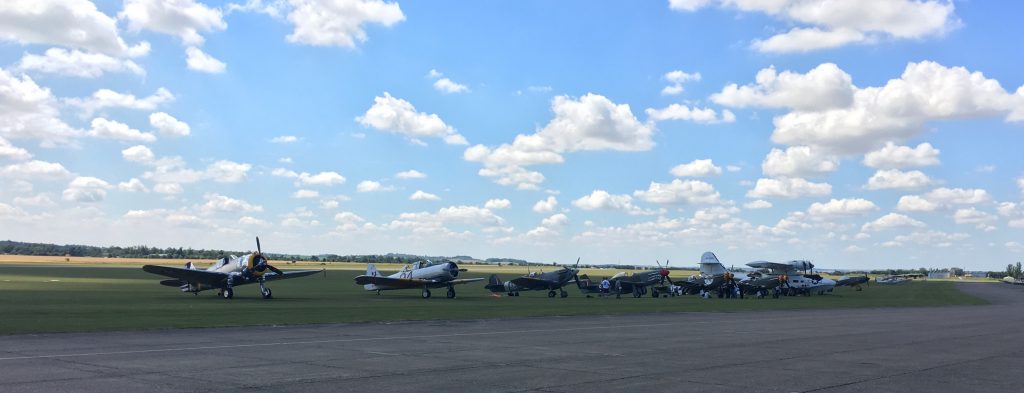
(798, 283)
(533, 281)
(226, 273)
(424, 275)
(713, 275)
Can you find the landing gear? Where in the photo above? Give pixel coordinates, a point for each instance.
(654, 293)
(228, 293)
(265, 291)
(451, 293)
(551, 293)
(426, 293)
(563, 293)
(636, 294)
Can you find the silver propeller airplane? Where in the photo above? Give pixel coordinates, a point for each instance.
(226, 273)
(423, 275)
(797, 282)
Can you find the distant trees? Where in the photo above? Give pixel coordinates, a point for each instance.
(1014, 271)
(23, 248)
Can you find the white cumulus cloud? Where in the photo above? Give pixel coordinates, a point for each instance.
(339, 22)
(897, 179)
(892, 156)
(395, 115)
(421, 195)
(788, 188)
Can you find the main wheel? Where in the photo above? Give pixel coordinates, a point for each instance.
(654, 294)
(551, 293)
(228, 293)
(426, 293)
(517, 294)
(266, 293)
(564, 294)
(451, 293)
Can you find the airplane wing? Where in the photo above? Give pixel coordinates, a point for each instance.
(442, 284)
(410, 282)
(770, 265)
(290, 274)
(532, 283)
(188, 275)
(393, 282)
(464, 281)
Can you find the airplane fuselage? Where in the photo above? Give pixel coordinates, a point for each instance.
(446, 271)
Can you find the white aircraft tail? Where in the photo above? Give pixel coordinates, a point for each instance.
(371, 270)
(709, 265)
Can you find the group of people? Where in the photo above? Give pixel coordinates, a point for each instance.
(729, 290)
(606, 286)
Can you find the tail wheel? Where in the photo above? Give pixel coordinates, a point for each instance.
(426, 293)
(451, 293)
(228, 293)
(267, 294)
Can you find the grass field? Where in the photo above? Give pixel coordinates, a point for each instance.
(40, 297)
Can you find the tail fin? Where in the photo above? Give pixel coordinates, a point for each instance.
(583, 281)
(371, 271)
(710, 265)
(495, 285)
(494, 280)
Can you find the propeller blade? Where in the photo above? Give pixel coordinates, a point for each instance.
(275, 270)
(258, 245)
(577, 262)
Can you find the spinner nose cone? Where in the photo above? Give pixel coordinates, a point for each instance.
(663, 272)
(453, 269)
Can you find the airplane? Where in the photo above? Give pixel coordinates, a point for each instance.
(713, 275)
(854, 282)
(797, 282)
(422, 274)
(635, 283)
(534, 281)
(226, 273)
(1011, 280)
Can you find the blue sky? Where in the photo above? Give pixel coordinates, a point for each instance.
(882, 135)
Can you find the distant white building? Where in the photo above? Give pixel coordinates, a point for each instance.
(938, 274)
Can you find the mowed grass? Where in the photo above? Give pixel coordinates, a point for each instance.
(36, 298)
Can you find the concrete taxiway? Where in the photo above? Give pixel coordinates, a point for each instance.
(972, 348)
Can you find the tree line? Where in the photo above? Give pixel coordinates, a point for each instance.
(76, 250)
(1014, 271)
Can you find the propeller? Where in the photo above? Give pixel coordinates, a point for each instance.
(260, 263)
(662, 271)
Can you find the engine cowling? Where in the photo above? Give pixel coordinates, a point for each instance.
(802, 265)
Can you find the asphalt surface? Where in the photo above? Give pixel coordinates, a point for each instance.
(964, 348)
